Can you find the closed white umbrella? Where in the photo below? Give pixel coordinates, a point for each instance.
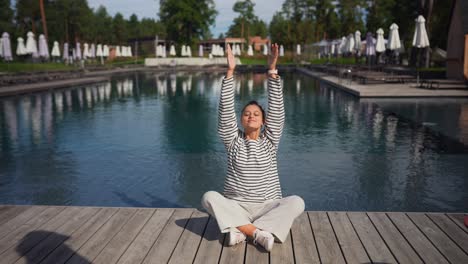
(86, 51)
(92, 51)
(350, 43)
(342, 47)
(183, 52)
(370, 45)
(380, 46)
(189, 51)
(105, 51)
(221, 51)
(43, 48)
(239, 52)
(118, 52)
(281, 51)
(250, 51)
(99, 50)
(55, 50)
(31, 45)
(172, 51)
(78, 51)
(200, 51)
(1, 49)
(265, 49)
(420, 38)
(298, 49)
(213, 49)
(21, 48)
(65, 51)
(158, 51)
(394, 42)
(6, 47)
(357, 42)
(163, 51)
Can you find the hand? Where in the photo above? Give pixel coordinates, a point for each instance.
(273, 58)
(231, 61)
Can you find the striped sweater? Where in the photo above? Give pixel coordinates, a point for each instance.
(252, 172)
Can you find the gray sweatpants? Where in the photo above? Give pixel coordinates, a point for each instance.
(274, 216)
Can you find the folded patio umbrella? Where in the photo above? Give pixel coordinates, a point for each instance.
(200, 50)
(99, 50)
(298, 49)
(1, 49)
(105, 51)
(31, 45)
(6, 47)
(380, 46)
(65, 51)
(420, 39)
(21, 48)
(172, 51)
(265, 49)
(357, 42)
(350, 43)
(394, 42)
(342, 48)
(370, 45)
(55, 50)
(118, 52)
(92, 51)
(189, 51)
(77, 52)
(86, 51)
(43, 48)
(183, 51)
(281, 51)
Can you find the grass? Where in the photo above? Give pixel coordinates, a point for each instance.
(340, 60)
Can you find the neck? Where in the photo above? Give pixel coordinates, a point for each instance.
(252, 134)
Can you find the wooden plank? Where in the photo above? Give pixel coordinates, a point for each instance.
(187, 246)
(98, 241)
(20, 219)
(352, 248)
(459, 220)
(137, 251)
(418, 241)
(370, 238)
(395, 241)
(233, 254)
(21, 244)
(283, 252)
(328, 247)
(119, 243)
(9, 212)
(14, 237)
(40, 251)
(451, 229)
(211, 245)
(79, 237)
(305, 248)
(256, 254)
(167, 240)
(439, 239)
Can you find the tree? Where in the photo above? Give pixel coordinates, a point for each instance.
(279, 29)
(351, 15)
(246, 14)
(151, 28)
(187, 21)
(119, 28)
(133, 27)
(6, 16)
(380, 14)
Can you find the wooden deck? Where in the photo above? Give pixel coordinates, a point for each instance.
(59, 234)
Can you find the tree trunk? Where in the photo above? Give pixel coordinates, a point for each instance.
(43, 17)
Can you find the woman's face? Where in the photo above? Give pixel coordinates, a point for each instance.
(252, 117)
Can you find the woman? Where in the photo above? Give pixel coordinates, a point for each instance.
(252, 204)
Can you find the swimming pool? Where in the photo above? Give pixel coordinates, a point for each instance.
(149, 139)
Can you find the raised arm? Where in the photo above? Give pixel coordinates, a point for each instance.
(227, 122)
(275, 118)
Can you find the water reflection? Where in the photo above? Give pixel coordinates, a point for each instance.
(150, 139)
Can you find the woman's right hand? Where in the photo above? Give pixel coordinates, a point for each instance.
(231, 61)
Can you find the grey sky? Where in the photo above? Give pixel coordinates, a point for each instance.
(264, 9)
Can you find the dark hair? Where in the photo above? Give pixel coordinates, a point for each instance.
(259, 106)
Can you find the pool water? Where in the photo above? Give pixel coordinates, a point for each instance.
(149, 140)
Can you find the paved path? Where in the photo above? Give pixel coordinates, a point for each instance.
(395, 90)
(62, 234)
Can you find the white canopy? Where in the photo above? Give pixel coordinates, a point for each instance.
(281, 51)
(20, 48)
(105, 51)
(357, 41)
(43, 48)
(298, 49)
(172, 51)
(31, 45)
(380, 46)
(5, 47)
(250, 51)
(394, 42)
(420, 39)
(55, 50)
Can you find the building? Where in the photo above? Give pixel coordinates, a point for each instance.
(257, 42)
(457, 41)
(222, 42)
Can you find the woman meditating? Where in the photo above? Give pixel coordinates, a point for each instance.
(252, 204)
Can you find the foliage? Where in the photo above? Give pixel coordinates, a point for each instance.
(247, 23)
(187, 20)
(6, 16)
